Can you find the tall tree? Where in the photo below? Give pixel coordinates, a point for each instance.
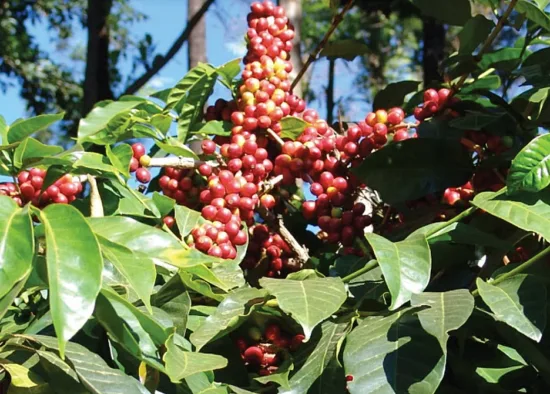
(196, 45)
(294, 13)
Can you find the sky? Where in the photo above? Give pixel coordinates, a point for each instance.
(226, 26)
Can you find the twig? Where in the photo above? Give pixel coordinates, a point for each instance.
(313, 56)
(96, 205)
(179, 162)
(176, 46)
(487, 43)
(270, 184)
(276, 137)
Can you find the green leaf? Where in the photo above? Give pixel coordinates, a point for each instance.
(499, 58)
(280, 377)
(314, 356)
(181, 364)
(162, 122)
(3, 131)
(416, 167)
(346, 49)
(292, 127)
(141, 238)
(24, 380)
(96, 122)
(186, 219)
(393, 354)
(23, 128)
(62, 378)
(310, 301)
(179, 92)
(215, 127)
(95, 163)
(178, 308)
(448, 311)
(406, 266)
(235, 305)
(7, 299)
(120, 157)
(489, 82)
(519, 301)
(175, 147)
(137, 269)
(528, 211)
(16, 244)
(92, 371)
(474, 121)
(530, 169)
(164, 204)
(461, 233)
(457, 14)
(71, 250)
(33, 149)
(474, 32)
(533, 13)
(394, 94)
(229, 71)
(507, 360)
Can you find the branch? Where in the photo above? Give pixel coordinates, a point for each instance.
(179, 162)
(313, 56)
(96, 205)
(176, 46)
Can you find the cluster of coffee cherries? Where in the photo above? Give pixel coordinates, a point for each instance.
(182, 185)
(30, 184)
(385, 122)
(434, 102)
(454, 195)
(269, 248)
(221, 237)
(264, 352)
(136, 163)
(221, 110)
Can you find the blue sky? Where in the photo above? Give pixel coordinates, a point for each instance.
(226, 26)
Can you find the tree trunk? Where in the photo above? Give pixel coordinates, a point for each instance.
(330, 91)
(96, 84)
(196, 45)
(433, 50)
(293, 10)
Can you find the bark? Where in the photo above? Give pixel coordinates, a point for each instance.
(294, 13)
(330, 91)
(96, 83)
(196, 46)
(433, 50)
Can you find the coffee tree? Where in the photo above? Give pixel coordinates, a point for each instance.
(266, 251)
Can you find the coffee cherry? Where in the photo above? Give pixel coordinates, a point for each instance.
(138, 150)
(272, 332)
(143, 175)
(253, 355)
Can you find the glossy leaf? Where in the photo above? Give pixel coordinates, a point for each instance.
(394, 94)
(229, 71)
(235, 305)
(519, 301)
(7, 299)
(96, 163)
(530, 169)
(136, 268)
(30, 149)
(22, 128)
(416, 167)
(181, 364)
(90, 128)
(528, 211)
(406, 266)
(215, 127)
(447, 311)
(458, 14)
(193, 77)
(534, 13)
(186, 219)
(120, 157)
(474, 32)
(309, 302)
(292, 127)
(72, 293)
(175, 147)
(393, 354)
(24, 380)
(313, 357)
(346, 49)
(92, 370)
(16, 244)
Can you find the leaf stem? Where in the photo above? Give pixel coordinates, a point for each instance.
(488, 42)
(368, 267)
(313, 56)
(96, 205)
(522, 267)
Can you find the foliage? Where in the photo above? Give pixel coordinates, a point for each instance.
(442, 287)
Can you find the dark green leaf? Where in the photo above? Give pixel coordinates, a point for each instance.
(90, 128)
(120, 157)
(310, 301)
(178, 308)
(23, 380)
(394, 94)
(23, 128)
(181, 364)
(416, 167)
(474, 32)
(393, 354)
(519, 301)
(406, 266)
(457, 14)
(474, 121)
(292, 127)
(500, 58)
(489, 82)
(33, 149)
(345, 49)
(280, 377)
(16, 244)
(7, 299)
(235, 305)
(534, 13)
(215, 127)
(179, 92)
(530, 170)
(72, 293)
(229, 71)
